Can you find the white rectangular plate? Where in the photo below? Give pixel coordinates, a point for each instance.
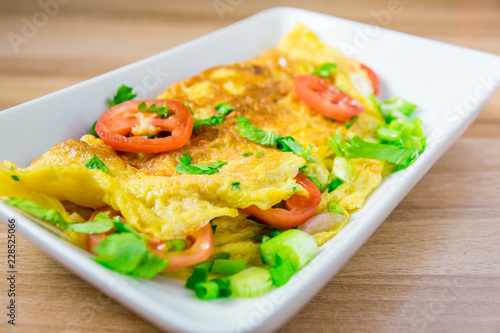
(449, 83)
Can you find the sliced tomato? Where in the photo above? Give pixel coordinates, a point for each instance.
(201, 244)
(373, 77)
(201, 248)
(326, 98)
(116, 125)
(298, 208)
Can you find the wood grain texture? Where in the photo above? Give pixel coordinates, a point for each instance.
(434, 265)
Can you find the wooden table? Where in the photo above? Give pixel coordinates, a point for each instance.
(434, 265)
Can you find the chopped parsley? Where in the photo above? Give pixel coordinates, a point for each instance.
(96, 163)
(16, 178)
(245, 154)
(325, 69)
(123, 94)
(290, 144)
(236, 184)
(271, 138)
(253, 133)
(162, 110)
(260, 153)
(185, 159)
(197, 169)
(92, 129)
(222, 108)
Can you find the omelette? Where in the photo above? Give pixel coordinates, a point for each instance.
(252, 136)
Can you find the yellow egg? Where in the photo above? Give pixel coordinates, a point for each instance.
(161, 203)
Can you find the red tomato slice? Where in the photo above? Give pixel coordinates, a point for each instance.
(115, 126)
(202, 244)
(201, 248)
(373, 77)
(326, 98)
(298, 208)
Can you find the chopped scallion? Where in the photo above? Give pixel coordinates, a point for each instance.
(282, 273)
(207, 265)
(334, 207)
(298, 246)
(332, 186)
(199, 276)
(224, 290)
(342, 168)
(207, 290)
(252, 282)
(228, 266)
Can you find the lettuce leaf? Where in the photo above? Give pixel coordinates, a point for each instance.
(400, 156)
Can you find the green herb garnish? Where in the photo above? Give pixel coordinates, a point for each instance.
(253, 133)
(223, 109)
(92, 129)
(325, 69)
(96, 163)
(123, 94)
(162, 110)
(197, 169)
(290, 144)
(271, 138)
